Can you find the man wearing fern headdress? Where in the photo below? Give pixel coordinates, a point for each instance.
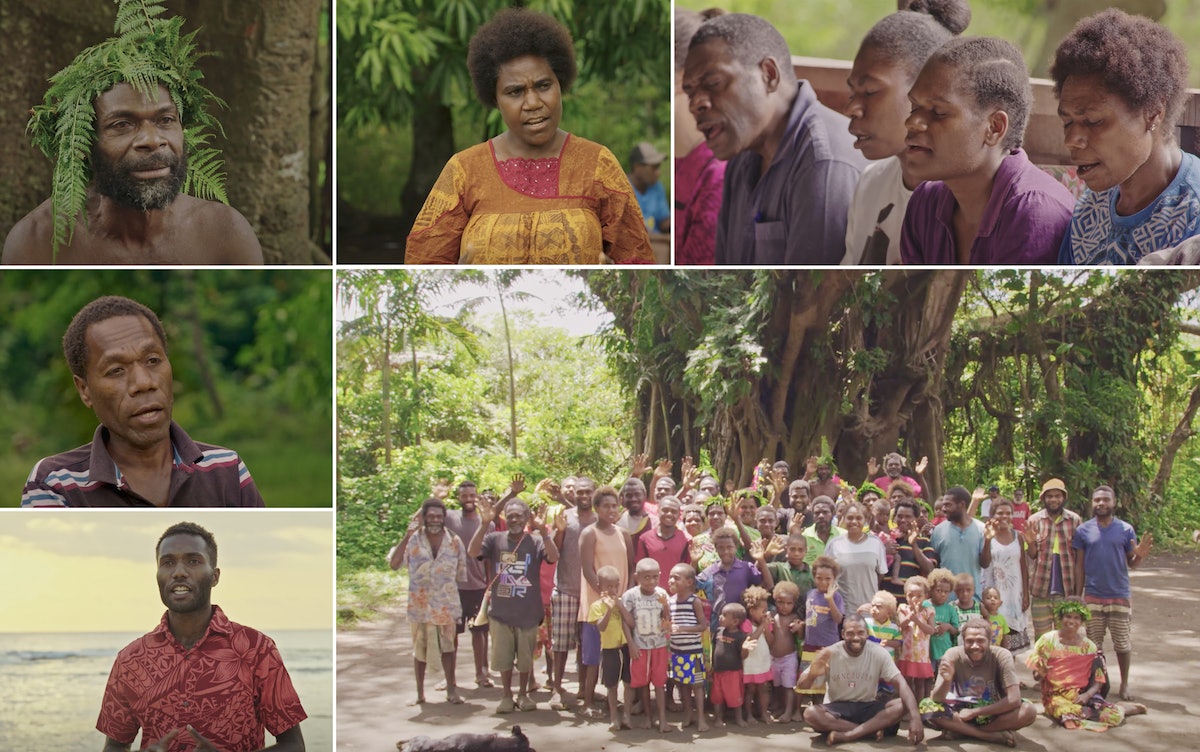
(135, 180)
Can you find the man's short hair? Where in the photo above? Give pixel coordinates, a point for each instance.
(584, 480)
(102, 309)
(722, 534)
(750, 39)
(959, 495)
(976, 622)
(854, 616)
(822, 499)
(992, 71)
(190, 528)
(432, 503)
(633, 483)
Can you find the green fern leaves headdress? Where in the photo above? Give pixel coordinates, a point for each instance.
(147, 51)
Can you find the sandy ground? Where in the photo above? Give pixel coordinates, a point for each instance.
(375, 682)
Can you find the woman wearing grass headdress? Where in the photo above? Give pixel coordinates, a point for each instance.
(135, 180)
(1072, 674)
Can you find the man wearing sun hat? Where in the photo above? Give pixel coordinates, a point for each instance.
(645, 164)
(1048, 535)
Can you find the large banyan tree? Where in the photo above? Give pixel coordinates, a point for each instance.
(976, 370)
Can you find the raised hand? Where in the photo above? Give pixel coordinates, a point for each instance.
(1031, 536)
(664, 467)
(441, 489)
(487, 511)
(779, 484)
(1143, 547)
(810, 466)
(416, 522)
(560, 522)
(639, 466)
(921, 466)
(775, 547)
(872, 469)
(820, 664)
(989, 531)
(946, 668)
(833, 588)
(518, 483)
(758, 549)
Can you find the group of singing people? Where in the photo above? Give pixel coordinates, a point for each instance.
(924, 166)
(852, 610)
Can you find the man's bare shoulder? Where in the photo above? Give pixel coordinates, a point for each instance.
(30, 240)
(222, 229)
(196, 232)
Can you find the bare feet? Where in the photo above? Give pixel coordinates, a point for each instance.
(1010, 738)
(701, 726)
(453, 697)
(615, 727)
(1133, 708)
(593, 714)
(418, 700)
(741, 721)
(833, 738)
(645, 723)
(1126, 694)
(665, 728)
(483, 681)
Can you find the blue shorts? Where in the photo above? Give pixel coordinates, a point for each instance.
(589, 644)
(687, 668)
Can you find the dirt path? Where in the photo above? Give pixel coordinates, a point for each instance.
(375, 681)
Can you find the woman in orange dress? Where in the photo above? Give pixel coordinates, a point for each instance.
(535, 194)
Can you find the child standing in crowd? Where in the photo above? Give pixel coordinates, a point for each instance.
(880, 627)
(945, 628)
(991, 611)
(916, 619)
(965, 601)
(786, 635)
(688, 624)
(729, 652)
(823, 609)
(756, 671)
(726, 580)
(792, 570)
(604, 617)
(647, 620)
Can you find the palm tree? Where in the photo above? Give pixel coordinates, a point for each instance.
(391, 312)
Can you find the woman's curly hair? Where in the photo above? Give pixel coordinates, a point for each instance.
(1139, 61)
(513, 33)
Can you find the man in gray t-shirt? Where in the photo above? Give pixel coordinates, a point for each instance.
(854, 668)
(977, 693)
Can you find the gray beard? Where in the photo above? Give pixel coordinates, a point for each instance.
(114, 181)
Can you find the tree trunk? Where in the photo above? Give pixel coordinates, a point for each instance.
(1183, 431)
(264, 71)
(417, 392)
(199, 353)
(385, 380)
(433, 129)
(37, 38)
(512, 381)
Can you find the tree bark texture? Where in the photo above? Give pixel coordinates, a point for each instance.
(264, 69)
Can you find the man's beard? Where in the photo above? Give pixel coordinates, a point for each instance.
(115, 180)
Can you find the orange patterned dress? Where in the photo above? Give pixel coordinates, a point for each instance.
(576, 208)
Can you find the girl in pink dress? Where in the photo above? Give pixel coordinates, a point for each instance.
(915, 618)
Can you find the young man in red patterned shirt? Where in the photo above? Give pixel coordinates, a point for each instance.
(199, 681)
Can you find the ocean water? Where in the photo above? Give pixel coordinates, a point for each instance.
(52, 685)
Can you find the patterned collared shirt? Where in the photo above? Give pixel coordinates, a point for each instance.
(1053, 537)
(231, 686)
(433, 580)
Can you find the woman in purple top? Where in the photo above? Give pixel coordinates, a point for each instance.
(983, 201)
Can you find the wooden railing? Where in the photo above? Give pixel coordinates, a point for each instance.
(1043, 135)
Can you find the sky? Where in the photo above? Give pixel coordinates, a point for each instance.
(94, 570)
(551, 292)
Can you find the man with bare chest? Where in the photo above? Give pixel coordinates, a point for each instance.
(138, 457)
(122, 193)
